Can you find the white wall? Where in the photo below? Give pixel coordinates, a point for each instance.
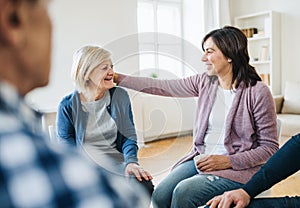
(290, 30)
(112, 24)
(80, 22)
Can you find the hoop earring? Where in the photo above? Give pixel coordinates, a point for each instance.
(87, 82)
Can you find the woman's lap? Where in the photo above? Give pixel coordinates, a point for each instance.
(162, 194)
(184, 187)
(197, 190)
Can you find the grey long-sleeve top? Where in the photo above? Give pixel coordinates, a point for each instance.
(72, 121)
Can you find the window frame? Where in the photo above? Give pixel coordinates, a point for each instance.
(156, 43)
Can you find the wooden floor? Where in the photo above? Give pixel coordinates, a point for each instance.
(158, 157)
(161, 146)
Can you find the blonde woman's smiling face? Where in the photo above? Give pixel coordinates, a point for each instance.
(102, 76)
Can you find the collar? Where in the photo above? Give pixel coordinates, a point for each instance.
(11, 101)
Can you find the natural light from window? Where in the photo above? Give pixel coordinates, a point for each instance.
(161, 48)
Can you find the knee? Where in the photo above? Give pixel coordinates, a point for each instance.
(159, 196)
(185, 195)
(181, 190)
(148, 186)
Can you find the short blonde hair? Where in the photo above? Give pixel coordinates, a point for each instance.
(85, 60)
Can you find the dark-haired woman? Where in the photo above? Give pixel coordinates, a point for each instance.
(235, 125)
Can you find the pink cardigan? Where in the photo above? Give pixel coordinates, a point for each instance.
(251, 127)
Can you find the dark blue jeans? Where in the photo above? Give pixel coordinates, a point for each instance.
(278, 202)
(185, 188)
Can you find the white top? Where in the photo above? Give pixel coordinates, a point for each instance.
(214, 138)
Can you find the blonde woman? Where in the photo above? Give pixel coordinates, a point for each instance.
(97, 116)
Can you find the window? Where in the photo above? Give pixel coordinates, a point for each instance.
(160, 38)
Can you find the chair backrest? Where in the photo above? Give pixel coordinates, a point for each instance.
(49, 125)
(52, 134)
(278, 128)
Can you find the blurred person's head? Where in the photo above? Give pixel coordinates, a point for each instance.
(92, 69)
(25, 43)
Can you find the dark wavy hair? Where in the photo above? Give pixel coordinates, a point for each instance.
(233, 44)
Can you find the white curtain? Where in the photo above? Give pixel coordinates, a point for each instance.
(200, 17)
(216, 14)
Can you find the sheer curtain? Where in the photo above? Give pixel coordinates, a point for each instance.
(216, 14)
(200, 17)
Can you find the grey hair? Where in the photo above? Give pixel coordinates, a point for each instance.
(85, 60)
